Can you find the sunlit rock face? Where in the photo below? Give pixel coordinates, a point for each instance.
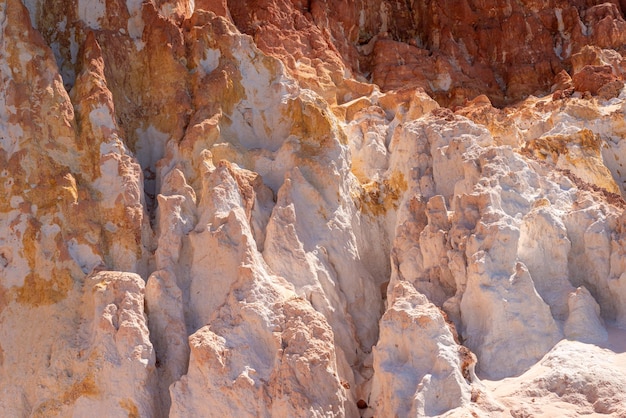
(312, 208)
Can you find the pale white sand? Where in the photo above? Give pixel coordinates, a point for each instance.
(574, 379)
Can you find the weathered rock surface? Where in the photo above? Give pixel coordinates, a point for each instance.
(426, 379)
(259, 208)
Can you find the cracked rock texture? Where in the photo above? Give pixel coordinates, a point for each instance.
(312, 208)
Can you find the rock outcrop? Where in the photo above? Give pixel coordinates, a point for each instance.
(312, 208)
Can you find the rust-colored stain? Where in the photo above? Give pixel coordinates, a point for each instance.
(54, 407)
(129, 405)
(37, 290)
(85, 387)
(377, 198)
(553, 146)
(4, 301)
(314, 128)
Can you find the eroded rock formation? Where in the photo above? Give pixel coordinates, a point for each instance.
(312, 208)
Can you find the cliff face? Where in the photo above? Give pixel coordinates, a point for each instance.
(312, 208)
